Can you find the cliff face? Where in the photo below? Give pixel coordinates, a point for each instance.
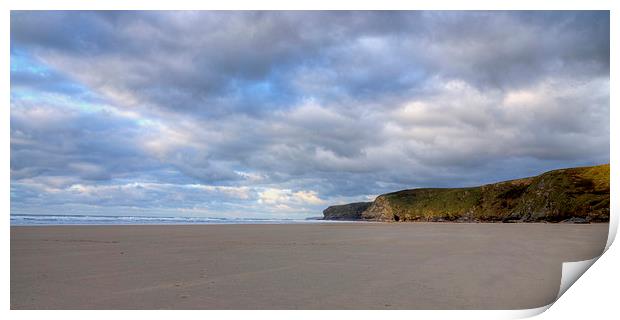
(351, 211)
(575, 194)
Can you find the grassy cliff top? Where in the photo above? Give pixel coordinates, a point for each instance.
(556, 195)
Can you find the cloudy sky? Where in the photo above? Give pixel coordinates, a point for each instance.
(280, 114)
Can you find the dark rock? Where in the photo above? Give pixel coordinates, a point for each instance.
(351, 211)
(576, 220)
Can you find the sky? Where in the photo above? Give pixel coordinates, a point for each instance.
(281, 114)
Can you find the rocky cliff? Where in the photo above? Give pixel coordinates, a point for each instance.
(571, 195)
(351, 211)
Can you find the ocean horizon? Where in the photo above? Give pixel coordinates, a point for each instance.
(64, 219)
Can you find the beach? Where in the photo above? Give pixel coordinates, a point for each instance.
(296, 266)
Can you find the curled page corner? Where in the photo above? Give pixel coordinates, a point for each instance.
(571, 271)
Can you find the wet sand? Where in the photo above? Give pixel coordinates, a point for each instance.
(305, 266)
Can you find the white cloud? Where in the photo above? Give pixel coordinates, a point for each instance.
(273, 196)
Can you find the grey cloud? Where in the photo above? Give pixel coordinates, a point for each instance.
(208, 63)
(92, 146)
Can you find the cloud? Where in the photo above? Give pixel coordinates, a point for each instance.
(287, 197)
(275, 113)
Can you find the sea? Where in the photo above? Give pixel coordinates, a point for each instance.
(32, 219)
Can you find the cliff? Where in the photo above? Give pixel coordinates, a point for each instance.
(571, 195)
(351, 211)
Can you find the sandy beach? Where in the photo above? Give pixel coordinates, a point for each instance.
(303, 266)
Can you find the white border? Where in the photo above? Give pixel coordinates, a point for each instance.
(594, 294)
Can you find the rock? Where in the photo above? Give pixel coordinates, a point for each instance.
(576, 220)
(380, 210)
(351, 211)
